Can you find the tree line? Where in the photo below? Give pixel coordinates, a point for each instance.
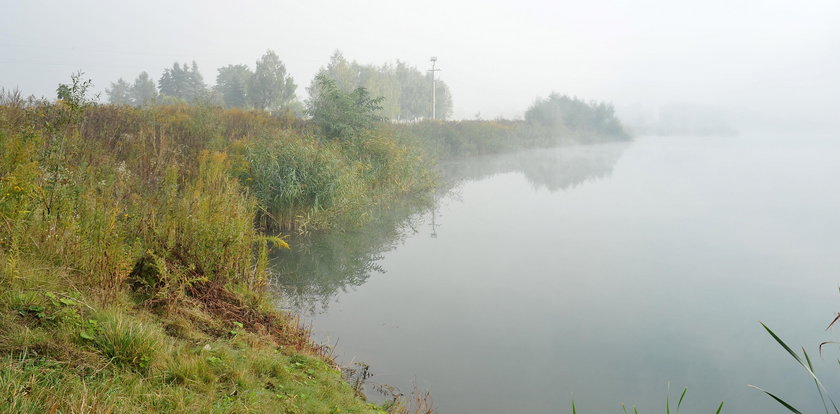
(267, 87)
(406, 91)
(558, 114)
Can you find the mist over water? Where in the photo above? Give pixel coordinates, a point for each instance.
(761, 62)
(665, 181)
(598, 273)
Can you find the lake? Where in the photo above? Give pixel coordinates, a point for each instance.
(594, 273)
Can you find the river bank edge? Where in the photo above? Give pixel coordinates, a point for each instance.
(133, 275)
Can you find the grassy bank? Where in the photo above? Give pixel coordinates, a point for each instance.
(553, 121)
(457, 139)
(133, 247)
(134, 244)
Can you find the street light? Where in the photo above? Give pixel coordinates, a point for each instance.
(433, 70)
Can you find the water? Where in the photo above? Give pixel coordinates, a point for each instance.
(595, 273)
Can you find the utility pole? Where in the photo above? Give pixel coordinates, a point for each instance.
(433, 70)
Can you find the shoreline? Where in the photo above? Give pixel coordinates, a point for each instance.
(134, 276)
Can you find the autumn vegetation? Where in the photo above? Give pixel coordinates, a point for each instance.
(134, 236)
(133, 250)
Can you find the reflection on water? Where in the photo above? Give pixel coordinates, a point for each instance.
(318, 267)
(553, 169)
(595, 273)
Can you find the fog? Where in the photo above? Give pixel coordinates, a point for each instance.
(761, 61)
(633, 186)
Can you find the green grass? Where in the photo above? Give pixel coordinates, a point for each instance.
(67, 352)
(133, 249)
(133, 255)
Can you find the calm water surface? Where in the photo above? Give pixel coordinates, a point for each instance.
(595, 273)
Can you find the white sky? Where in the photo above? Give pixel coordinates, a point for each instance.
(773, 57)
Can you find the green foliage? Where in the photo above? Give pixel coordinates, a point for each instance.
(174, 204)
(232, 82)
(202, 231)
(544, 127)
(561, 114)
(407, 90)
(75, 95)
(143, 92)
(119, 93)
(108, 213)
(183, 82)
(342, 115)
(270, 87)
(301, 178)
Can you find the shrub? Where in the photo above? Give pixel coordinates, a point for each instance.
(342, 115)
(201, 231)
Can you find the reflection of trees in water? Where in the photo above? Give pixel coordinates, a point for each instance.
(554, 169)
(318, 267)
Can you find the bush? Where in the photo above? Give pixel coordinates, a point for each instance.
(167, 199)
(300, 181)
(342, 115)
(561, 114)
(199, 232)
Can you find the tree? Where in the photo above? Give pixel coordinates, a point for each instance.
(443, 100)
(74, 95)
(270, 87)
(414, 94)
(378, 81)
(73, 101)
(561, 113)
(183, 82)
(342, 115)
(143, 91)
(119, 93)
(407, 90)
(344, 73)
(173, 81)
(232, 82)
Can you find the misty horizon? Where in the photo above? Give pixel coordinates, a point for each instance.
(755, 61)
(415, 208)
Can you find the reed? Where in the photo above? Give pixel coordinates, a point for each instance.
(805, 362)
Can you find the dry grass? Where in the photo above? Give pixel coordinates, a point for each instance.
(132, 271)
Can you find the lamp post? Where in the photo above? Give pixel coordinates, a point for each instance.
(433, 70)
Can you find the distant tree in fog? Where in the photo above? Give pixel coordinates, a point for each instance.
(271, 87)
(143, 91)
(561, 113)
(340, 71)
(415, 99)
(119, 93)
(183, 82)
(443, 99)
(407, 91)
(232, 83)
